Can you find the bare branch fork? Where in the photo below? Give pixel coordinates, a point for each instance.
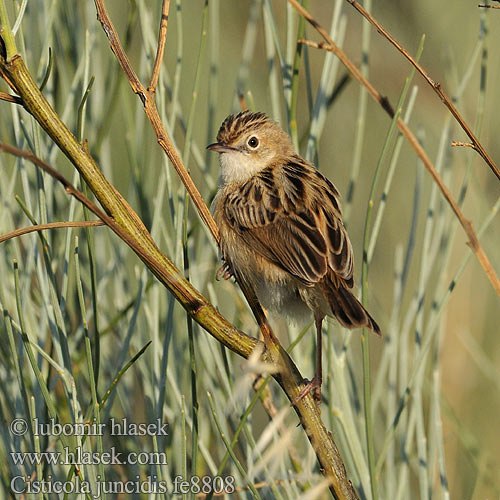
(119, 216)
(412, 140)
(436, 86)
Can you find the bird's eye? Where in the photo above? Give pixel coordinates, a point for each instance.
(253, 142)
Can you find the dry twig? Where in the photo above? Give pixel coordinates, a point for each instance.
(70, 189)
(463, 144)
(9, 98)
(49, 225)
(412, 140)
(435, 85)
(165, 142)
(151, 111)
(162, 37)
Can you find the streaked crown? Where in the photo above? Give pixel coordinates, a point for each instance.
(234, 126)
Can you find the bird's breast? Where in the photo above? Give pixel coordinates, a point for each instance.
(276, 289)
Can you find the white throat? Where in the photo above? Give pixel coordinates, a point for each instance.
(238, 167)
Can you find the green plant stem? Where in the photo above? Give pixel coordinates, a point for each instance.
(295, 78)
(229, 449)
(96, 352)
(361, 117)
(196, 84)
(6, 32)
(364, 293)
(192, 356)
(92, 409)
(34, 366)
(36, 439)
(184, 210)
(88, 352)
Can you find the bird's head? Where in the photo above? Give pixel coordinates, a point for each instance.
(247, 143)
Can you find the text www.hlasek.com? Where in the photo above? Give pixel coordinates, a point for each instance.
(83, 457)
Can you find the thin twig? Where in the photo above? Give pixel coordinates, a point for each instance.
(154, 117)
(489, 6)
(241, 99)
(10, 98)
(407, 133)
(49, 225)
(435, 85)
(70, 189)
(162, 37)
(191, 299)
(463, 144)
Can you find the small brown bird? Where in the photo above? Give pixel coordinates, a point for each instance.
(281, 228)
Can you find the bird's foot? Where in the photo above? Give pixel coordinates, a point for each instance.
(311, 385)
(225, 271)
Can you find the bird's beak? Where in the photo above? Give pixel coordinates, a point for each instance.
(218, 147)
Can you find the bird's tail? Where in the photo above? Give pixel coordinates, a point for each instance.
(347, 309)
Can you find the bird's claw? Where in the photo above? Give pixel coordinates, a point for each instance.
(310, 385)
(225, 271)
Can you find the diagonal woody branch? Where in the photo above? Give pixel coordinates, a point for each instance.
(410, 137)
(151, 111)
(435, 86)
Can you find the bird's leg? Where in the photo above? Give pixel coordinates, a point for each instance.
(315, 384)
(318, 376)
(225, 271)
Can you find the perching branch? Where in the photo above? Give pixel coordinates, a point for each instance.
(412, 140)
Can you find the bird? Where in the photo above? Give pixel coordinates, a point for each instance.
(281, 229)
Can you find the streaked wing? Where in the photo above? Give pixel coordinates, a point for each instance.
(291, 216)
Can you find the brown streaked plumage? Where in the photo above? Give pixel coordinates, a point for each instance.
(281, 227)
